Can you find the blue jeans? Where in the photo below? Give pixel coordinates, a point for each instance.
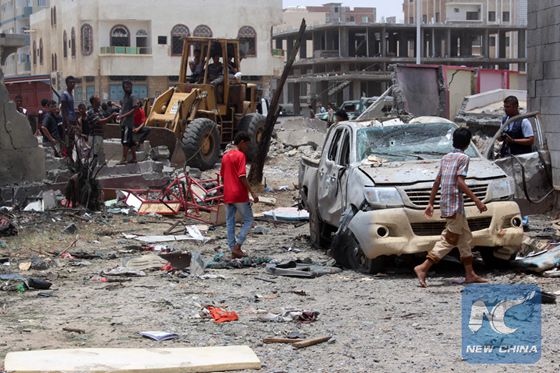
(247, 215)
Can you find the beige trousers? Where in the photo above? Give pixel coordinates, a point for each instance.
(456, 234)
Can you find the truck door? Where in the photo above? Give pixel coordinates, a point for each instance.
(531, 172)
(330, 193)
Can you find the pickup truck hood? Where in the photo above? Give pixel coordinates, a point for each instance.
(412, 172)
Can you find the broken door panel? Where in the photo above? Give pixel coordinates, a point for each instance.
(328, 200)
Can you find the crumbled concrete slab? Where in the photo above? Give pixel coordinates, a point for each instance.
(21, 159)
(298, 131)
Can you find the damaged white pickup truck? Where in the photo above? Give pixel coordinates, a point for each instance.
(373, 182)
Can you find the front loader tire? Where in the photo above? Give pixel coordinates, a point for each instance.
(201, 143)
(253, 124)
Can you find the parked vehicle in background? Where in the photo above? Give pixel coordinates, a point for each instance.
(355, 108)
(373, 182)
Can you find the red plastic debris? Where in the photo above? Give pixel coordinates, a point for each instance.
(220, 315)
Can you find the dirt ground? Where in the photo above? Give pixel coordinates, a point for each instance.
(379, 323)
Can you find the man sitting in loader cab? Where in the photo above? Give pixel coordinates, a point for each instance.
(216, 70)
(197, 66)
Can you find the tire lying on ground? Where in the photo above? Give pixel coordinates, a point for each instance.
(201, 143)
(254, 125)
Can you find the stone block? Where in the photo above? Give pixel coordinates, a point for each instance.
(551, 52)
(556, 178)
(550, 123)
(551, 70)
(548, 88)
(532, 21)
(535, 70)
(553, 141)
(550, 105)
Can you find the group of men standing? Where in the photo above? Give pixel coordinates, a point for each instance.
(66, 129)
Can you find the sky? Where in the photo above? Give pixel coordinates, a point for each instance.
(385, 8)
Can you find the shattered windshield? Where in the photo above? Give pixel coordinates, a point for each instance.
(407, 142)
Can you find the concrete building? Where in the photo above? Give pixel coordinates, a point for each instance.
(490, 12)
(103, 42)
(346, 61)
(544, 73)
(330, 13)
(469, 11)
(14, 19)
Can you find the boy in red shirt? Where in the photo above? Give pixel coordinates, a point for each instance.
(236, 192)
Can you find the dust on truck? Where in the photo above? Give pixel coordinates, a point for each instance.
(381, 174)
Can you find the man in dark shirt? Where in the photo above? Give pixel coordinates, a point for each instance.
(96, 119)
(69, 116)
(50, 128)
(42, 113)
(126, 117)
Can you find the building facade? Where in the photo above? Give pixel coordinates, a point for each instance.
(103, 42)
(14, 19)
(490, 12)
(543, 93)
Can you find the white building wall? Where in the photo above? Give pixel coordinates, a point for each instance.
(158, 21)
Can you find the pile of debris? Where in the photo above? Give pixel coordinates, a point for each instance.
(541, 251)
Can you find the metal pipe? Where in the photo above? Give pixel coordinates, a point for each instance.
(418, 32)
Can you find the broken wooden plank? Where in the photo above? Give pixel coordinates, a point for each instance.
(311, 342)
(128, 360)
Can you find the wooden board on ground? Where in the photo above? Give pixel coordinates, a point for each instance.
(159, 208)
(129, 360)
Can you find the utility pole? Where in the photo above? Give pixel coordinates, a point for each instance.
(419, 32)
(256, 172)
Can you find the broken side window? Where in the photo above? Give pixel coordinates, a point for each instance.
(344, 159)
(334, 144)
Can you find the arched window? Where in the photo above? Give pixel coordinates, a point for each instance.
(41, 51)
(73, 41)
(178, 32)
(86, 41)
(141, 39)
(65, 44)
(120, 36)
(55, 62)
(54, 18)
(52, 62)
(247, 41)
(34, 52)
(202, 31)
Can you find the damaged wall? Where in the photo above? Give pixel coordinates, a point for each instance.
(544, 73)
(21, 159)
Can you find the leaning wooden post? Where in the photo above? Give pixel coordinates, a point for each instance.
(256, 173)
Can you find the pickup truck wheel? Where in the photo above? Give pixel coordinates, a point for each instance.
(319, 232)
(487, 254)
(346, 250)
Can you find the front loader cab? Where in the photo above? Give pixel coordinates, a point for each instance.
(209, 104)
(210, 64)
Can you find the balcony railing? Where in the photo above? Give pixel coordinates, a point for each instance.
(126, 50)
